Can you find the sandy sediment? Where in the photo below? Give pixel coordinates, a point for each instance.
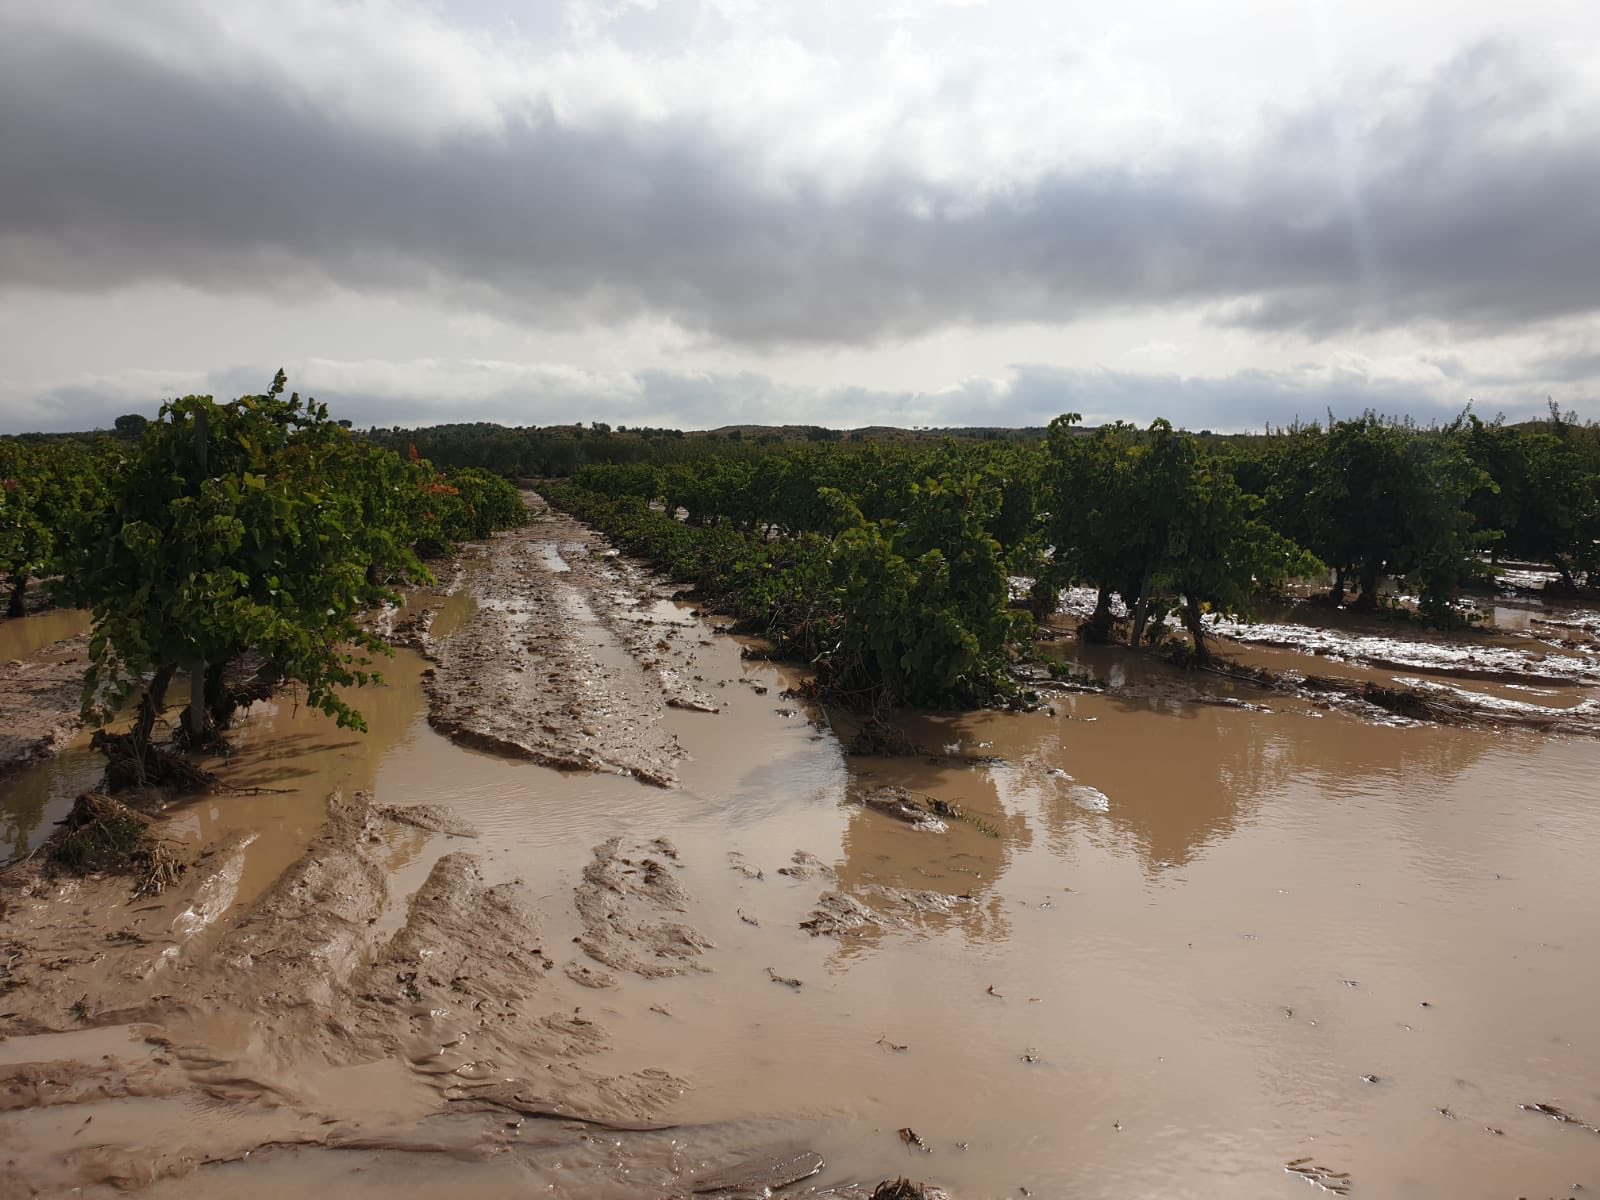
(563, 662)
(453, 1010)
(39, 697)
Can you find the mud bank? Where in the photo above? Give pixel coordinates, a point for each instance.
(42, 660)
(1519, 679)
(341, 1029)
(568, 659)
(299, 1023)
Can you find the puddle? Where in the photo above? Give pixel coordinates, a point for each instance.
(33, 800)
(454, 612)
(550, 558)
(125, 1041)
(22, 636)
(297, 756)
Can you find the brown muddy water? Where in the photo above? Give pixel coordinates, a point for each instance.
(1178, 946)
(22, 636)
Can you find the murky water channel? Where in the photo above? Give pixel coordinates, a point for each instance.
(1206, 941)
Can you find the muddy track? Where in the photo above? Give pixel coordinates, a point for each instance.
(299, 1030)
(560, 663)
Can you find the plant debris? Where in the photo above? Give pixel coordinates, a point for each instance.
(1556, 1114)
(1329, 1180)
(911, 1137)
(127, 767)
(104, 836)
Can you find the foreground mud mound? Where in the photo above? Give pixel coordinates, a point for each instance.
(338, 1035)
(624, 903)
(565, 661)
(325, 1028)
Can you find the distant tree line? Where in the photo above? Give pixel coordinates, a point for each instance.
(889, 566)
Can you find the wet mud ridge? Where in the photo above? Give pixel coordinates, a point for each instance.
(623, 902)
(148, 1044)
(39, 697)
(301, 1009)
(564, 662)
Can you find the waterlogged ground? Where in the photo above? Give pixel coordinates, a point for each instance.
(1185, 937)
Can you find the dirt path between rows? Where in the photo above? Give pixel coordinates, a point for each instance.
(145, 1040)
(557, 666)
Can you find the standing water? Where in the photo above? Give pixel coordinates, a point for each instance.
(1178, 945)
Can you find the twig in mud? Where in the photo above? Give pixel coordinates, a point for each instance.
(1556, 1114)
(900, 1189)
(228, 789)
(1329, 1180)
(507, 1099)
(911, 1138)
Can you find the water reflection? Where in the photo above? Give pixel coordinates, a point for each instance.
(922, 880)
(34, 799)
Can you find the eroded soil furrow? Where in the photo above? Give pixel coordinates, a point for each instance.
(560, 663)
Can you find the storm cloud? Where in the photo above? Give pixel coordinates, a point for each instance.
(693, 211)
(1457, 199)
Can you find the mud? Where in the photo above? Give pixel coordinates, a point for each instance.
(622, 902)
(564, 660)
(42, 661)
(1178, 935)
(452, 1010)
(1517, 677)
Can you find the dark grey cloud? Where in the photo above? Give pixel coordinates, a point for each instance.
(1468, 200)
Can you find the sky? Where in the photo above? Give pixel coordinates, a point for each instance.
(693, 213)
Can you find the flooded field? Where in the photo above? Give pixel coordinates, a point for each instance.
(1182, 938)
